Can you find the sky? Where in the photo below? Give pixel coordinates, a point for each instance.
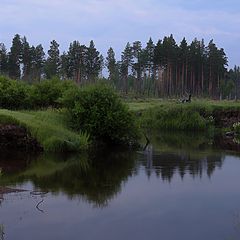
(113, 23)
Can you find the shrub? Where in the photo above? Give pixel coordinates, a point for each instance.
(13, 94)
(48, 92)
(98, 110)
(19, 95)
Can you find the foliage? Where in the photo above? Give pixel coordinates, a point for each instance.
(15, 55)
(19, 95)
(236, 127)
(52, 65)
(226, 87)
(98, 110)
(13, 94)
(48, 92)
(173, 115)
(49, 128)
(160, 69)
(174, 118)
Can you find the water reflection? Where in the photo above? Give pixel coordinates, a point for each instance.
(1, 232)
(99, 176)
(167, 164)
(181, 153)
(96, 178)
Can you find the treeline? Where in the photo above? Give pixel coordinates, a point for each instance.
(161, 69)
(30, 63)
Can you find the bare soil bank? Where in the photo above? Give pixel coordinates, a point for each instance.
(14, 137)
(226, 118)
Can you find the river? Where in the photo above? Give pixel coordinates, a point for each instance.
(178, 187)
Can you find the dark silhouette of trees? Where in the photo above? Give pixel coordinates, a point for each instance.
(52, 65)
(161, 69)
(14, 58)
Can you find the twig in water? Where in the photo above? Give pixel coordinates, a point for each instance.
(37, 206)
(147, 143)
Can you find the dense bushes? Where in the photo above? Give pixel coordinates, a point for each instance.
(178, 117)
(14, 94)
(98, 110)
(48, 92)
(19, 95)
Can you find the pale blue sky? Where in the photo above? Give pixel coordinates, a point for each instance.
(113, 23)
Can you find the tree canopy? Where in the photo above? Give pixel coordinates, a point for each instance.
(161, 69)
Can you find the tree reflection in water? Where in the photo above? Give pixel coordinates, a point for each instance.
(168, 164)
(181, 153)
(2, 232)
(97, 177)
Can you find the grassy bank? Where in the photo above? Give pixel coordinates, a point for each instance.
(198, 115)
(49, 127)
(145, 104)
(51, 130)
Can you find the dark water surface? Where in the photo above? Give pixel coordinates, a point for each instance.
(179, 187)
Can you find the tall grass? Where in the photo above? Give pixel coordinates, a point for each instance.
(142, 105)
(172, 115)
(49, 128)
(175, 116)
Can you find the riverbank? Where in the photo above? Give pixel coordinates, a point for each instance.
(195, 116)
(17, 138)
(48, 130)
(48, 127)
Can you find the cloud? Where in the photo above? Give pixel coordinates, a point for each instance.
(114, 22)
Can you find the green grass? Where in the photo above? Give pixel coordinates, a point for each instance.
(173, 115)
(142, 105)
(49, 127)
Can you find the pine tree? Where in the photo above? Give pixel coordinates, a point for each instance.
(217, 62)
(38, 62)
(149, 70)
(52, 65)
(26, 59)
(236, 79)
(15, 55)
(76, 66)
(183, 61)
(150, 56)
(112, 66)
(93, 62)
(137, 64)
(3, 60)
(64, 71)
(160, 66)
(170, 50)
(102, 65)
(126, 63)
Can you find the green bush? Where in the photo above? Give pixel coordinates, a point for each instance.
(19, 95)
(48, 92)
(98, 110)
(13, 94)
